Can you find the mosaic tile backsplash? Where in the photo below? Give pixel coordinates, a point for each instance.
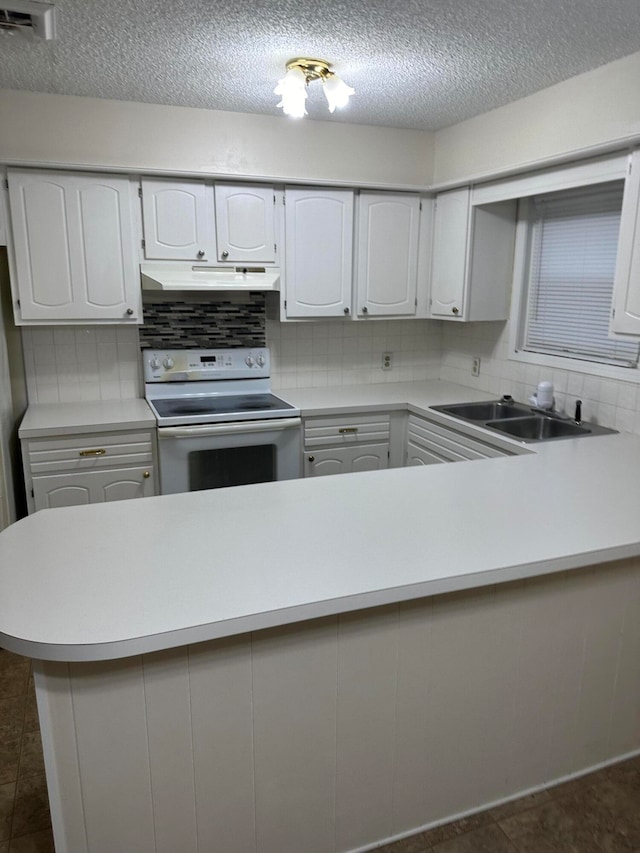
(204, 325)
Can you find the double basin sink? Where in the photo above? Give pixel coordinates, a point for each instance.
(521, 422)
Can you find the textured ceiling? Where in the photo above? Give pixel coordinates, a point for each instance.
(422, 64)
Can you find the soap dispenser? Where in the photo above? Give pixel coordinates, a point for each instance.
(543, 398)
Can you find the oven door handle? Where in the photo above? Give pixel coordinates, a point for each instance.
(228, 428)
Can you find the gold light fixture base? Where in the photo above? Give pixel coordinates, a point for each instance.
(313, 69)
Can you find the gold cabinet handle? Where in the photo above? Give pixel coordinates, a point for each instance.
(312, 459)
(146, 475)
(100, 452)
(343, 430)
(455, 310)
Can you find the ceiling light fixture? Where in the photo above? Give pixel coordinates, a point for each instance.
(292, 88)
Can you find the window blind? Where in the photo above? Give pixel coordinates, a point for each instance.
(574, 241)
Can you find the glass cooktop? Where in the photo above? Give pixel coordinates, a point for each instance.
(227, 404)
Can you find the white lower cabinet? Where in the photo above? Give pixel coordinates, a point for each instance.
(89, 468)
(58, 490)
(346, 460)
(429, 442)
(346, 445)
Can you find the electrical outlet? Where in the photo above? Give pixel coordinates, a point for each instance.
(475, 366)
(387, 360)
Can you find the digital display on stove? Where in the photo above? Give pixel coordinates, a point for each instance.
(208, 359)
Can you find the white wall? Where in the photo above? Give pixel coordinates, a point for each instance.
(601, 107)
(609, 402)
(68, 131)
(66, 364)
(320, 355)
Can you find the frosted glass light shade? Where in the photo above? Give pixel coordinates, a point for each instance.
(292, 89)
(336, 91)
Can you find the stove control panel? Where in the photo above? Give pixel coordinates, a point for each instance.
(192, 365)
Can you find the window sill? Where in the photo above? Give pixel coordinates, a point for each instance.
(574, 365)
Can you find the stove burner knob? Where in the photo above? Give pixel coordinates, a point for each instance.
(249, 361)
(154, 364)
(168, 362)
(261, 361)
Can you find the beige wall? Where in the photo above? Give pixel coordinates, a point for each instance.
(599, 108)
(60, 130)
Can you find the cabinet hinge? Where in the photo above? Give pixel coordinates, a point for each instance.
(143, 244)
(139, 192)
(6, 183)
(613, 313)
(285, 304)
(388, 454)
(274, 198)
(275, 248)
(18, 302)
(32, 492)
(420, 205)
(416, 302)
(284, 200)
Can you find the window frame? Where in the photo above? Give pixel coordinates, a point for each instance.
(557, 180)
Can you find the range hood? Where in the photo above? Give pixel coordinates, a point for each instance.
(200, 278)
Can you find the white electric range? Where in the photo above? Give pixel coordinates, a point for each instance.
(218, 422)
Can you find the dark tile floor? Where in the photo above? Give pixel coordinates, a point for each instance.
(25, 826)
(599, 813)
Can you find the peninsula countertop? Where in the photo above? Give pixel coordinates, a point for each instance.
(111, 580)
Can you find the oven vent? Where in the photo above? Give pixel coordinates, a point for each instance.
(28, 17)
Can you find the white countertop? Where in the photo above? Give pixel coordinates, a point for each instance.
(123, 578)
(45, 419)
(379, 397)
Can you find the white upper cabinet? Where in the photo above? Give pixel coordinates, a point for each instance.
(387, 258)
(178, 220)
(319, 247)
(472, 261)
(73, 255)
(449, 253)
(625, 318)
(246, 223)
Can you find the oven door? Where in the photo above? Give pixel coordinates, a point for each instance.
(213, 456)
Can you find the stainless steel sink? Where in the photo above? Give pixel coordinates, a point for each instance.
(488, 411)
(520, 421)
(539, 428)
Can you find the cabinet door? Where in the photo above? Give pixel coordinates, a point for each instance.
(319, 245)
(334, 460)
(387, 254)
(346, 460)
(245, 223)
(625, 318)
(59, 490)
(449, 264)
(73, 248)
(178, 220)
(371, 457)
(418, 455)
